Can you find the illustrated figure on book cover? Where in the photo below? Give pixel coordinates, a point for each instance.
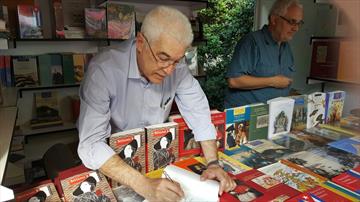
(162, 155)
(85, 192)
(241, 135)
(128, 153)
(281, 122)
(243, 192)
(189, 140)
(38, 197)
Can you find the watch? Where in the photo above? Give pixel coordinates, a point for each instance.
(214, 162)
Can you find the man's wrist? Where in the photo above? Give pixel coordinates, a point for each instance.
(213, 163)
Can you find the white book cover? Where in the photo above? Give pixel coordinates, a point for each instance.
(280, 115)
(315, 109)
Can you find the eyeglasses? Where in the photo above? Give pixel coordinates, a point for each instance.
(292, 21)
(162, 63)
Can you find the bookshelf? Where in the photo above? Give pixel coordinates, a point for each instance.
(323, 81)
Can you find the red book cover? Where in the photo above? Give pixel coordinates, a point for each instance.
(318, 194)
(325, 58)
(59, 19)
(162, 145)
(357, 169)
(348, 180)
(254, 185)
(192, 165)
(43, 191)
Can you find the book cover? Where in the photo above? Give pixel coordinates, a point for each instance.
(56, 70)
(194, 165)
(29, 22)
(334, 106)
(318, 164)
(259, 122)
(349, 180)
(351, 145)
(44, 192)
(269, 150)
(299, 113)
(326, 133)
(125, 193)
(44, 62)
(46, 110)
(342, 191)
(290, 176)
(162, 145)
(254, 185)
(68, 68)
(350, 122)
(130, 146)
(25, 71)
(218, 119)
(315, 109)
(187, 144)
(121, 21)
(237, 126)
(8, 72)
(280, 116)
(230, 165)
(325, 58)
(58, 18)
(79, 67)
(95, 22)
(2, 71)
(248, 156)
(318, 194)
(192, 61)
(339, 128)
(74, 17)
(89, 184)
(292, 142)
(316, 140)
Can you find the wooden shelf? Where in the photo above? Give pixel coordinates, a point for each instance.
(26, 130)
(32, 88)
(322, 81)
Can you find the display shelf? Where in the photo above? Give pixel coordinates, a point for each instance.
(32, 88)
(322, 81)
(26, 130)
(16, 41)
(192, 3)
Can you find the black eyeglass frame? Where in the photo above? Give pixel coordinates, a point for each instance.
(292, 22)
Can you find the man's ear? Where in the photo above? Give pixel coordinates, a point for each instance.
(273, 19)
(139, 42)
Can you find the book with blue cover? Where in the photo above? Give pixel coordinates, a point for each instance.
(351, 145)
(248, 157)
(237, 126)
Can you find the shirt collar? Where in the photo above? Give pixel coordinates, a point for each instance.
(134, 72)
(268, 37)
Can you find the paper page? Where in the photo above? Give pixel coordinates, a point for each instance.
(194, 189)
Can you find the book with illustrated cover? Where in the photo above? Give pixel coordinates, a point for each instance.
(350, 122)
(292, 142)
(79, 67)
(95, 22)
(74, 17)
(46, 110)
(334, 106)
(349, 180)
(248, 156)
(280, 116)
(299, 113)
(326, 133)
(318, 194)
(25, 71)
(259, 122)
(292, 177)
(254, 185)
(218, 119)
(162, 145)
(120, 21)
(56, 70)
(130, 146)
(29, 22)
(317, 164)
(44, 62)
(237, 126)
(315, 109)
(68, 68)
(269, 150)
(229, 164)
(347, 160)
(342, 191)
(44, 191)
(318, 141)
(351, 145)
(338, 128)
(194, 165)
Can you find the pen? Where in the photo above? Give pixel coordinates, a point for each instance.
(167, 176)
(166, 102)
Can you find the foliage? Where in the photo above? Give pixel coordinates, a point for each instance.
(224, 23)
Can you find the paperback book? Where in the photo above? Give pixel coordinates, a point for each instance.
(280, 116)
(29, 22)
(162, 145)
(25, 71)
(351, 145)
(248, 156)
(95, 22)
(45, 191)
(327, 133)
(315, 109)
(348, 180)
(318, 141)
(299, 113)
(259, 122)
(46, 110)
(318, 194)
(292, 142)
(269, 150)
(334, 106)
(120, 21)
(237, 126)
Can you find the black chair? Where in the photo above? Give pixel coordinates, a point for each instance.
(58, 158)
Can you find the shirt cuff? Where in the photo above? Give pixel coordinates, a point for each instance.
(205, 133)
(95, 156)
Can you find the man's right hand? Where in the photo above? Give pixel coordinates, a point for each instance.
(163, 190)
(280, 81)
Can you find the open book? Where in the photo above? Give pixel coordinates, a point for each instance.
(194, 189)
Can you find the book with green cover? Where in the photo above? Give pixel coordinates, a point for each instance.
(259, 120)
(68, 68)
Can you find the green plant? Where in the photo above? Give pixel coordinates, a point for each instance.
(224, 23)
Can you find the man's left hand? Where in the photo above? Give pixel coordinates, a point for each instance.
(216, 172)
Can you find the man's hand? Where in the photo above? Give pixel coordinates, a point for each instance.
(280, 81)
(163, 190)
(216, 172)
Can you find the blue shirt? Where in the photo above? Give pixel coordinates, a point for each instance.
(115, 97)
(258, 54)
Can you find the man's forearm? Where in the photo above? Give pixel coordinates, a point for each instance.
(118, 170)
(246, 82)
(209, 149)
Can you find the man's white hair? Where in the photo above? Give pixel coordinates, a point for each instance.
(168, 21)
(280, 7)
